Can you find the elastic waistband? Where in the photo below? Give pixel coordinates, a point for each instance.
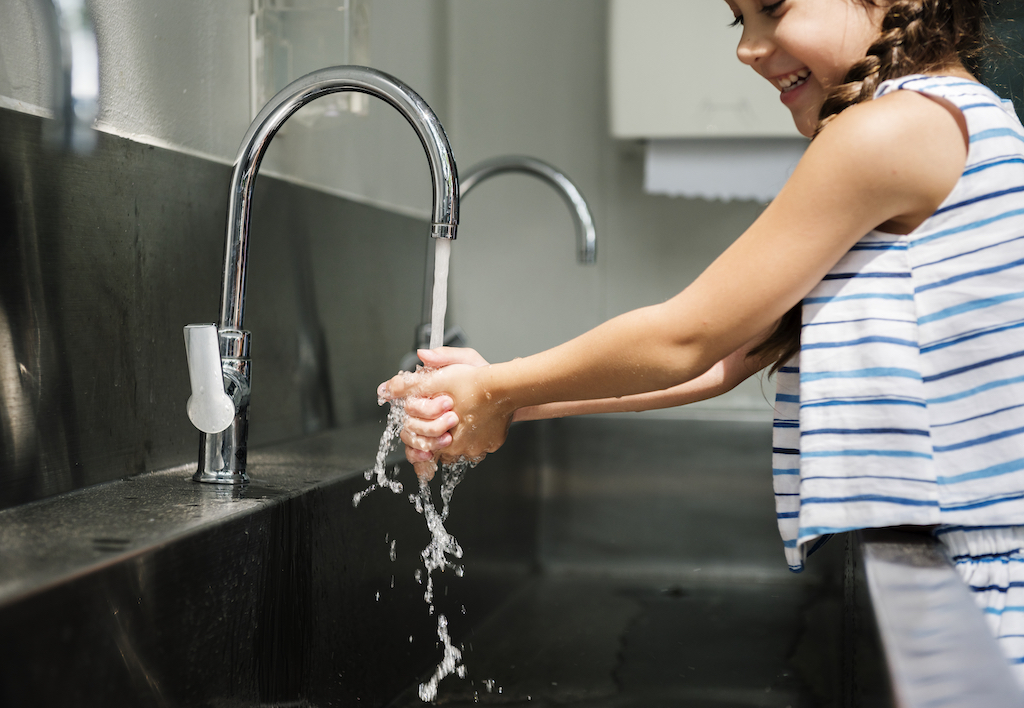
(980, 540)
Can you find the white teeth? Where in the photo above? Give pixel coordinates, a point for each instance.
(794, 79)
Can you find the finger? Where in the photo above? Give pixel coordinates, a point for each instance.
(445, 356)
(432, 428)
(413, 455)
(428, 408)
(425, 470)
(401, 385)
(420, 442)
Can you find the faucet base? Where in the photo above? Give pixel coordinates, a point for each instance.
(220, 477)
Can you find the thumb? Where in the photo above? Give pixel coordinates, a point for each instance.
(401, 385)
(446, 356)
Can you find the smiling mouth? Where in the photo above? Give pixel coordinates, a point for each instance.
(794, 80)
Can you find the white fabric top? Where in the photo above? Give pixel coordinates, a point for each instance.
(905, 404)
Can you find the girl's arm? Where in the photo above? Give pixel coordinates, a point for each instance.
(886, 163)
(721, 378)
(430, 418)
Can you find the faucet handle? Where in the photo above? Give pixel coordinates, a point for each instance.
(209, 408)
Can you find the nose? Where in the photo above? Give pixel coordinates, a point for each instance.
(754, 45)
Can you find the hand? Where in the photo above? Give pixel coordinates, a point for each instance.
(431, 419)
(451, 416)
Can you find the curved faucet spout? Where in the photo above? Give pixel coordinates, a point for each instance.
(586, 235)
(443, 173)
(221, 352)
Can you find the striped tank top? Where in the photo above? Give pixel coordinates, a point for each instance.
(905, 404)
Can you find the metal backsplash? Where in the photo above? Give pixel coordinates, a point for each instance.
(104, 258)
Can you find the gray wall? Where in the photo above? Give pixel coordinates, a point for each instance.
(106, 257)
(529, 77)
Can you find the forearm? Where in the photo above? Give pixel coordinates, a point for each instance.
(720, 378)
(630, 354)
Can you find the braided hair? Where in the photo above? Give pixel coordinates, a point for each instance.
(917, 36)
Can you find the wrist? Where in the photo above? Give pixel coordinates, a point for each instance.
(497, 384)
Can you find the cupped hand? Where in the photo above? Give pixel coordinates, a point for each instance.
(451, 415)
(431, 418)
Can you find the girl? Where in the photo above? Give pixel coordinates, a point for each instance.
(884, 284)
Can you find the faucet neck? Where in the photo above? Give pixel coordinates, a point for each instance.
(443, 173)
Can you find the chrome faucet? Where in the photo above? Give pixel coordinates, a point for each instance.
(586, 234)
(76, 85)
(219, 366)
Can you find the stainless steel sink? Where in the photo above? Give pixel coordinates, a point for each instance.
(157, 591)
(608, 563)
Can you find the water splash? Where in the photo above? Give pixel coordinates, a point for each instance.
(443, 550)
(442, 544)
(388, 442)
(450, 664)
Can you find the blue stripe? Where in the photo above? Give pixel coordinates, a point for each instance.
(862, 340)
(1000, 611)
(993, 471)
(862, 319)
(786, 398)
(861, 374)
(865, 431)
(995, 588)
(967, 227)
(780, 472)
(861, 296)
(982, 503)
(822, 530)
(785, 451)
(971, 274)
(851, 276)
(787, 515)
(979, 441)
(870, 476)
(969, 307)
(968, 336)
(903, 501)
(979, 105)
(976, 390)
(996, 133)
(977, 417)
(864, 402)
(985, 166)
(789, 370)
(943, 530)
(866, 453)
(983, 197)
(964, 254)
(890, 246)
(972, 367)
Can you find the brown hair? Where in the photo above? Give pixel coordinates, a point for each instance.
(917, 36)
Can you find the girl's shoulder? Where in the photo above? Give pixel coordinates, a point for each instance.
(903, 147)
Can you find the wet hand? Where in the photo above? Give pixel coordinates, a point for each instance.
(461, 420)
(431, 419)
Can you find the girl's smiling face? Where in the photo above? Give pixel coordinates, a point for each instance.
(805, 47)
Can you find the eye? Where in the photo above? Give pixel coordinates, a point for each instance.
(770, 9)
(737, 22)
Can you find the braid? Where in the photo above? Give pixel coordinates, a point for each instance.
(917, 36)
